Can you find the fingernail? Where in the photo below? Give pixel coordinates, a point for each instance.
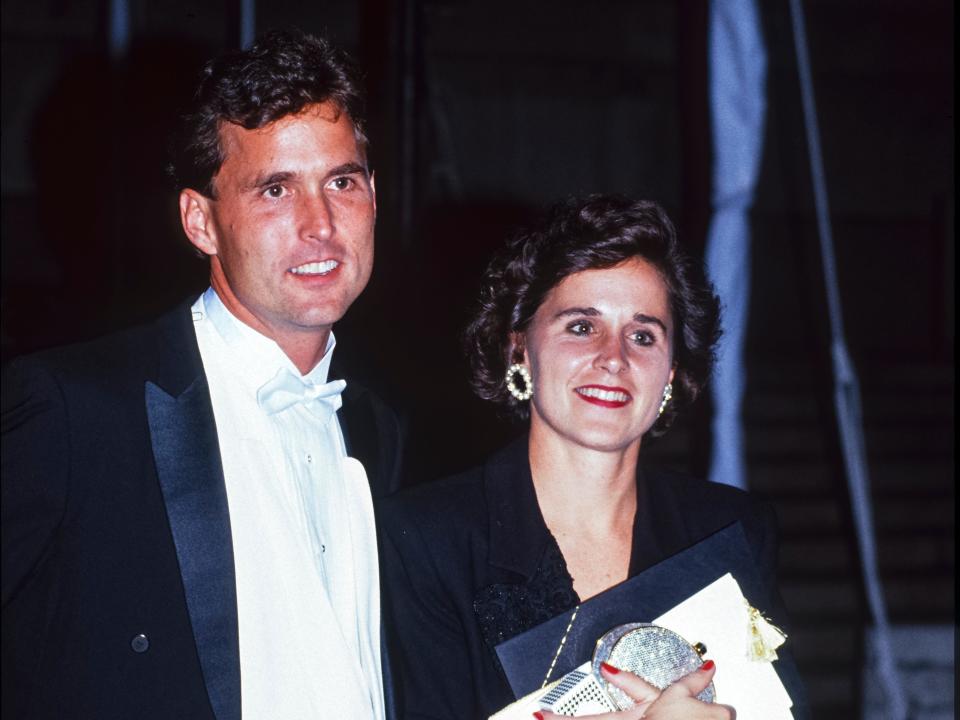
(609, 668)
(538, 715)
(708, 665)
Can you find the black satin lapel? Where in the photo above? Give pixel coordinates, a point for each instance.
(359, 427)
(374, 436)
(187, 456)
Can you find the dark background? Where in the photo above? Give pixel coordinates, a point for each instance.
(480, 113)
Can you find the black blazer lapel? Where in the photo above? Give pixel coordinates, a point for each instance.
(373, 436)
(539, 585)
(187, 456)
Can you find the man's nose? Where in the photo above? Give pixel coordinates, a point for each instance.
(316, 218)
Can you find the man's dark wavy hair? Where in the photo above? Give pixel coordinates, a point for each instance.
(600, 231)
(281, 74)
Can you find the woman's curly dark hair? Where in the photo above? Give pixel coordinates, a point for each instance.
(283, 72)
(600, 231)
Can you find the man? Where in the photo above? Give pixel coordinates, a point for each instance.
(186, 530)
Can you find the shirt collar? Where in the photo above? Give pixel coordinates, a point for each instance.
(257, 357)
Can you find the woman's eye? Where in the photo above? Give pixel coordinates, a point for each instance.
(579, 328)
(642, 337)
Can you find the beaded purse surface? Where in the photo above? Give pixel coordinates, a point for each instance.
(656, 654)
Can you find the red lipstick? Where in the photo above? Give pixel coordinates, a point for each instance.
(604, 395)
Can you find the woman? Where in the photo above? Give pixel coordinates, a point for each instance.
(597, 329)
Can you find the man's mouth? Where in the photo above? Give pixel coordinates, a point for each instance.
(315, 268)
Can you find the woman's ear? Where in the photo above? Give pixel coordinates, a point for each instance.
(518, 349)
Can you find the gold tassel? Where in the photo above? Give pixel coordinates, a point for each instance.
(763, 637)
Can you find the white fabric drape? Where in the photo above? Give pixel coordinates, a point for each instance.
(737, 79)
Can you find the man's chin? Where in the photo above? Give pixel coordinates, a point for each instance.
(316, 319)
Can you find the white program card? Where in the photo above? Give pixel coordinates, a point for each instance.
(718, 617)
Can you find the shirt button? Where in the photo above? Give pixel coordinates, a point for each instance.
(140, 643)
(309, 458)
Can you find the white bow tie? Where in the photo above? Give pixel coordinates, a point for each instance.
(286, 390)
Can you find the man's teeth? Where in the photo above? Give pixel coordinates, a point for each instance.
(607, 395)
(315, 268)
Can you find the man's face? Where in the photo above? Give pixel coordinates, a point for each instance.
(290, 232)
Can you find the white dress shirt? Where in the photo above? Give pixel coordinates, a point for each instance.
(304, 545)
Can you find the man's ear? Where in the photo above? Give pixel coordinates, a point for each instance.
(197, 220)
(373, 190)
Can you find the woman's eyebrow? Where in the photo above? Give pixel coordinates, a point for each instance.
(577, 311)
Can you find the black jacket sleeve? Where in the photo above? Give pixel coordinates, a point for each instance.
(35, 470)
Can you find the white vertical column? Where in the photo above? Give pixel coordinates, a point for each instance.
(248, 22)
(737, 79)
(119, 28)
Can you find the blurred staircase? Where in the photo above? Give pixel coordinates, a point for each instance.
(794, 461)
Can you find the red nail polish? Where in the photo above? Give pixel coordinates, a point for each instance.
(708, 665)
(610, 668)
(538, 715)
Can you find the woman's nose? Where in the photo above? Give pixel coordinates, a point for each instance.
(611, 356)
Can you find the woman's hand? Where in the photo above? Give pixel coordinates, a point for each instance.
(677, 702)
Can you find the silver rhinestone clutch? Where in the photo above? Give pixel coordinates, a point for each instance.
(656, 654)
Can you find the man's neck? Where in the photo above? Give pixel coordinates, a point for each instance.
(305, 347)
(304, 351)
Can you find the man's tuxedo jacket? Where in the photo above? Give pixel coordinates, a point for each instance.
(119, 597)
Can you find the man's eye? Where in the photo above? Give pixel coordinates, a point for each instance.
(579, 328)
(274, 191)
(342, 183)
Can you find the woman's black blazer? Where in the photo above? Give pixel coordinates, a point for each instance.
(468, 562)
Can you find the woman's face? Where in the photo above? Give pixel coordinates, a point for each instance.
(600, 351)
